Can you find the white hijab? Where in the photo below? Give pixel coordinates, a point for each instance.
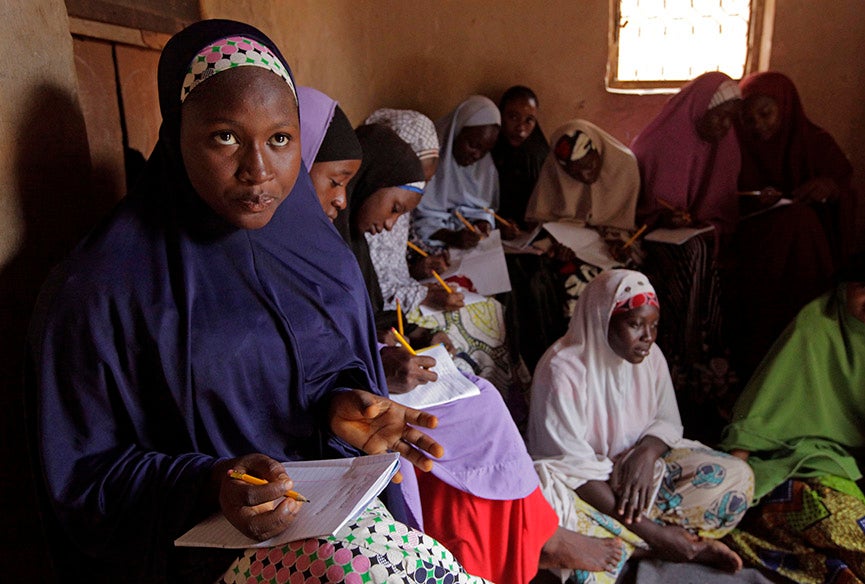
(610, 201)
(588, 405)
(467, 189)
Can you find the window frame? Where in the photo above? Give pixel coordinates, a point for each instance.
(760, 29)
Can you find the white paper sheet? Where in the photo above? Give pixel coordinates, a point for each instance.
(586, 243)
(451, 385)
(484, 265)
(338, 491)
(468, 298)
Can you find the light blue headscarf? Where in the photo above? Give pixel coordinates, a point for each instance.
(467, 189)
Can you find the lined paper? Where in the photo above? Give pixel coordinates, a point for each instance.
(338, 491)
(451, 385)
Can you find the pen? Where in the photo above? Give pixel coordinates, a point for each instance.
(499, 218)
(249, 479)
(635, 236)
(422, 253)
(465, 222)
(399, 317)
(403, 341)
(444, 284)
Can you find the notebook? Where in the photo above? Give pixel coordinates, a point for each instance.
(451, 385)
(338, 491)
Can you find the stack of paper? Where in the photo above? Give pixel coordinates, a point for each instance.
(339, 490)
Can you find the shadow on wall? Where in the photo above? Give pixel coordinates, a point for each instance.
(53, 175)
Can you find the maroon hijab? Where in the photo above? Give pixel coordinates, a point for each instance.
(798, 152)
(680, 168)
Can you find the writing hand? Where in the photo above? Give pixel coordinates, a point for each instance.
(509, 231)
(483, 226)
(423, 268)
(405, 371)
(252, 509)
(440, 299)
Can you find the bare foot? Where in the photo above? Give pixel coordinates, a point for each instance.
(575, 551)
(718, 555)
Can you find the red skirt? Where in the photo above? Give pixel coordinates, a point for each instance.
(497, 540)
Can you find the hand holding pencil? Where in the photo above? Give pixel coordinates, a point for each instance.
(259, 511)
(677, 217)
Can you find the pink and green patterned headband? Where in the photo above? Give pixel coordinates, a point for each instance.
(224, 54)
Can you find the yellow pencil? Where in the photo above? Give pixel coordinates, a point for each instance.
(249, 479)
(635, 236)
(672, 207)
(444, 284)
(666, 204)
(422, 253)
(402, 341)
(399, 317)
(465, 222)
(500, 219)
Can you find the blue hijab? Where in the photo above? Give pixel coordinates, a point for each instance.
(171, 339)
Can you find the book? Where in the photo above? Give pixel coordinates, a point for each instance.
(451, 384)
(523, 240)
(586, 243)
(339, 491)
(676, 236)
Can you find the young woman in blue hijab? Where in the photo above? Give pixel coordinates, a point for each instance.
(216, 321)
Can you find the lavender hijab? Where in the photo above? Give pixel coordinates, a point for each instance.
(318, 110)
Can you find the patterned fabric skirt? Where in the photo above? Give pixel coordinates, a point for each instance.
(808, 530)
(374, 549)
(478, 333)
(703, 490)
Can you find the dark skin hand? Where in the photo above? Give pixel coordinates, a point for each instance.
(404, 371)
(768, 197)
(816, 190)
(462, 239)
(668, 542)
(422, 267)
(369, 422)
(483, 226)
(676, 218)
(509, 230)
(375, 424)
(440, 299)
(250, 508)
(632, 478)
(421, 338)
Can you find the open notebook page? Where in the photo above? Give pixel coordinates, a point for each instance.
(338, 491)
(451, 385)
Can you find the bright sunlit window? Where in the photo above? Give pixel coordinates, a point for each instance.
(661, 44)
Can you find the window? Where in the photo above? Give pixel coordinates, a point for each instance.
(659, 45)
